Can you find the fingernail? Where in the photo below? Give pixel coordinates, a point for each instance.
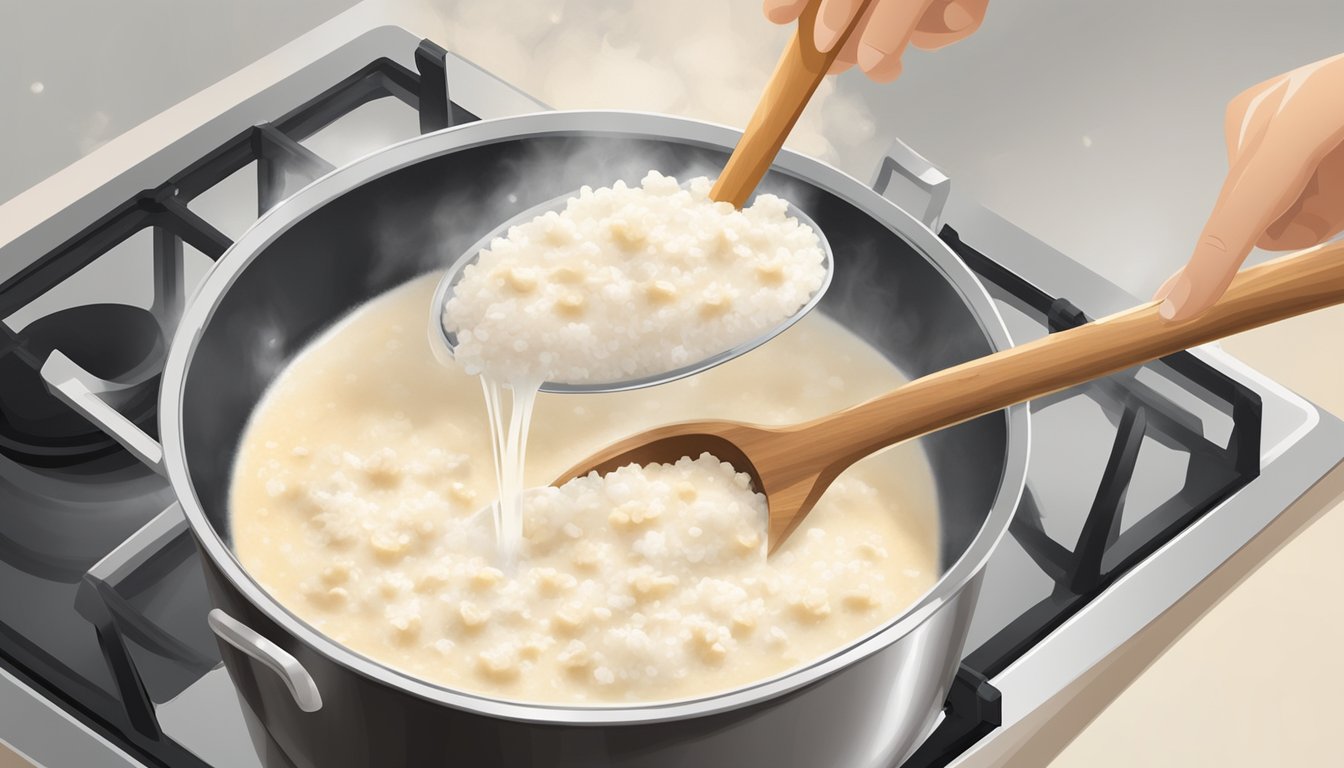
(1165, 287)
(956, 17)
(1176, 298)
(823, 35)
(869, 57)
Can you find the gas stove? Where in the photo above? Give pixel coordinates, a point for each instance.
(1139, 485)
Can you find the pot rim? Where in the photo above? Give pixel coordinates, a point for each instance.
(581, 123)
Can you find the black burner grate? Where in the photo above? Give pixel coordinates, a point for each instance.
(284, 165)
(1102, 553)
(105, 596)
(146, 663)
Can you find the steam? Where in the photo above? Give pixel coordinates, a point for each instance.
(528, 174)
(706, 59)
(702, 59)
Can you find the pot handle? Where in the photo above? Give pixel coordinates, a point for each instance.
(280, 661)
(80, 390)
(913, 183)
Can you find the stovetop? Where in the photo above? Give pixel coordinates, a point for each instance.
(102, 605)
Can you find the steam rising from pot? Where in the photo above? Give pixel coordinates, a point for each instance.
(706, 59)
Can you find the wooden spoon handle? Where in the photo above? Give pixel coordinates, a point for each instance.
(1288, 286)
(800, 70)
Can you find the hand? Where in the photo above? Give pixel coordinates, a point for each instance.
(1285, 189)
(885, 29)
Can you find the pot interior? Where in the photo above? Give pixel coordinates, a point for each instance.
(421, 217)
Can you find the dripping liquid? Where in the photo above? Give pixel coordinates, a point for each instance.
(508, 441)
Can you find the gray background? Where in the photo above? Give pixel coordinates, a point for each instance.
(107, 65)
(1147, 81)
(1094, 124)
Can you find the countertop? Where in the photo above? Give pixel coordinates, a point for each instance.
(1251, 682)
(1094, 126)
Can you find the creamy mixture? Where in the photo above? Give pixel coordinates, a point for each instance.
(623, 283)
(357, 496)
(631, 281)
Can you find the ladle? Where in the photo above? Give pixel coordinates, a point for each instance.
(800, 70)
(793, 465)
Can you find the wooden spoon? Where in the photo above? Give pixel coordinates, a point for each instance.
(800, 70)
(793, 465)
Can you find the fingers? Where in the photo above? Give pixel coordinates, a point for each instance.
(849, 55)
(1317, 214)
(833, 19)
(1161, 292)
(1245, 126)
(1254, 195)
(885, 36)
(784, 11)
(888, 26)
(1227, 239)
(947, 22)
(1285, 139)
(1245, 120)
(1279, 146)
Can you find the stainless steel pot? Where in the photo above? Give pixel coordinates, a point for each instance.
(413, 207)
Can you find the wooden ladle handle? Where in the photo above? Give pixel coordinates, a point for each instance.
(800, 70)
(1288, 286)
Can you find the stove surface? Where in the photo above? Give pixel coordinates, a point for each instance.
(1138, 486)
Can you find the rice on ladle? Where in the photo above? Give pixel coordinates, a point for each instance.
(628, 282)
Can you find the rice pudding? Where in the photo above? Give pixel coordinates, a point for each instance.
(356, 501)
(627, 282)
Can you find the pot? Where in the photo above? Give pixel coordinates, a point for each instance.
(414, 207)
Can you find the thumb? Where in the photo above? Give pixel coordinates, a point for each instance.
(1192, 290)
(1200, 283)
(1253, 196)
(1161, 292)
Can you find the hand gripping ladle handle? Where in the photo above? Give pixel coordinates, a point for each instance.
(800, 70)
